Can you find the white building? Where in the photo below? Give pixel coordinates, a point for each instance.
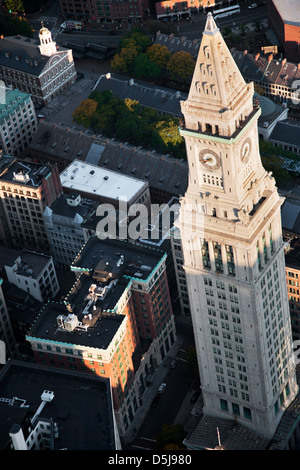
(103, 185)
(34, 273)
(63, 221)
(233, 250)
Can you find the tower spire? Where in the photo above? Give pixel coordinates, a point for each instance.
(217, 84)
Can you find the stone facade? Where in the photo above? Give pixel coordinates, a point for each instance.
(233, 249)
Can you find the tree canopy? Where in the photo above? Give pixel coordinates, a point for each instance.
(128, 121)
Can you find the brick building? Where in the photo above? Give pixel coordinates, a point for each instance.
(108, 10)
(116, 321)
(284, 19)
(36, 67)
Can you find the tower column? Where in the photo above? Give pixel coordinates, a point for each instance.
(211, 256)
(224, 259)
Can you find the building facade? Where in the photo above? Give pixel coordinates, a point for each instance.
(116, 321)
(108, 10)
(37, 68)
(7, 336)
(34, 273)
(283, 16)
(233, 250)
(63, 221)
(25, 190)
(18, 122)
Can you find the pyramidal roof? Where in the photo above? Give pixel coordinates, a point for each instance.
(217, 81)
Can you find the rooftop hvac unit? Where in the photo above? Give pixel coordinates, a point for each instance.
(70, 322)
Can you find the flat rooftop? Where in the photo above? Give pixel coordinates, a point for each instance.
(289, 11)
(30, 263)
(81, 406)
(99, 336)
(23, 173)
(118, 257)
(97, 181)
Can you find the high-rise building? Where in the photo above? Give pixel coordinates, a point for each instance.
(26, 188)
(18, 122)
(233, 249)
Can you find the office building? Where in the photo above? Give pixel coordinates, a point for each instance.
(116, 321)
(63, 221)
(18, 122)
(43, 408)
(104, 186)
(25, 190)
(233, 250)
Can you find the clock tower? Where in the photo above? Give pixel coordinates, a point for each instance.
(231, 236)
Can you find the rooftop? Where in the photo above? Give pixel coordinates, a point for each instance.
(159, 98)
(27, 173)
(97, 181)
(55, 323)
(116, 258)
(30, 263)
(10, 100)
(289, 11)
(23, 53)
(62, 208)
(81, 407)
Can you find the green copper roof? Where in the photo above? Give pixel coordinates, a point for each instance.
(10, 100)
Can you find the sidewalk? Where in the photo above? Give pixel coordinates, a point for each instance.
(150, 393)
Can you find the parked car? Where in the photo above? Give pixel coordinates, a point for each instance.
(254, 5)
(161, 389)
(173, 363)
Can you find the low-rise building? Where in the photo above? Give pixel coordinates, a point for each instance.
(34, 273)
(18, 122)
(35, 66)
(111, 12)
(43, 408)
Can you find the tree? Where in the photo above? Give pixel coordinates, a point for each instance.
(125, 59)
(171, 434)
(10, 26)
(181, 64)
(159, 54)
(84, 112)
(143, 67)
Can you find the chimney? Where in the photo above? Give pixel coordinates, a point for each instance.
(257, 56)
(17, 437)
(270, 58)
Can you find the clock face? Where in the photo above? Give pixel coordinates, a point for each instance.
(210, 159)
(245, 150)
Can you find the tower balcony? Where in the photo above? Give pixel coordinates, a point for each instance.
(213, 132)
